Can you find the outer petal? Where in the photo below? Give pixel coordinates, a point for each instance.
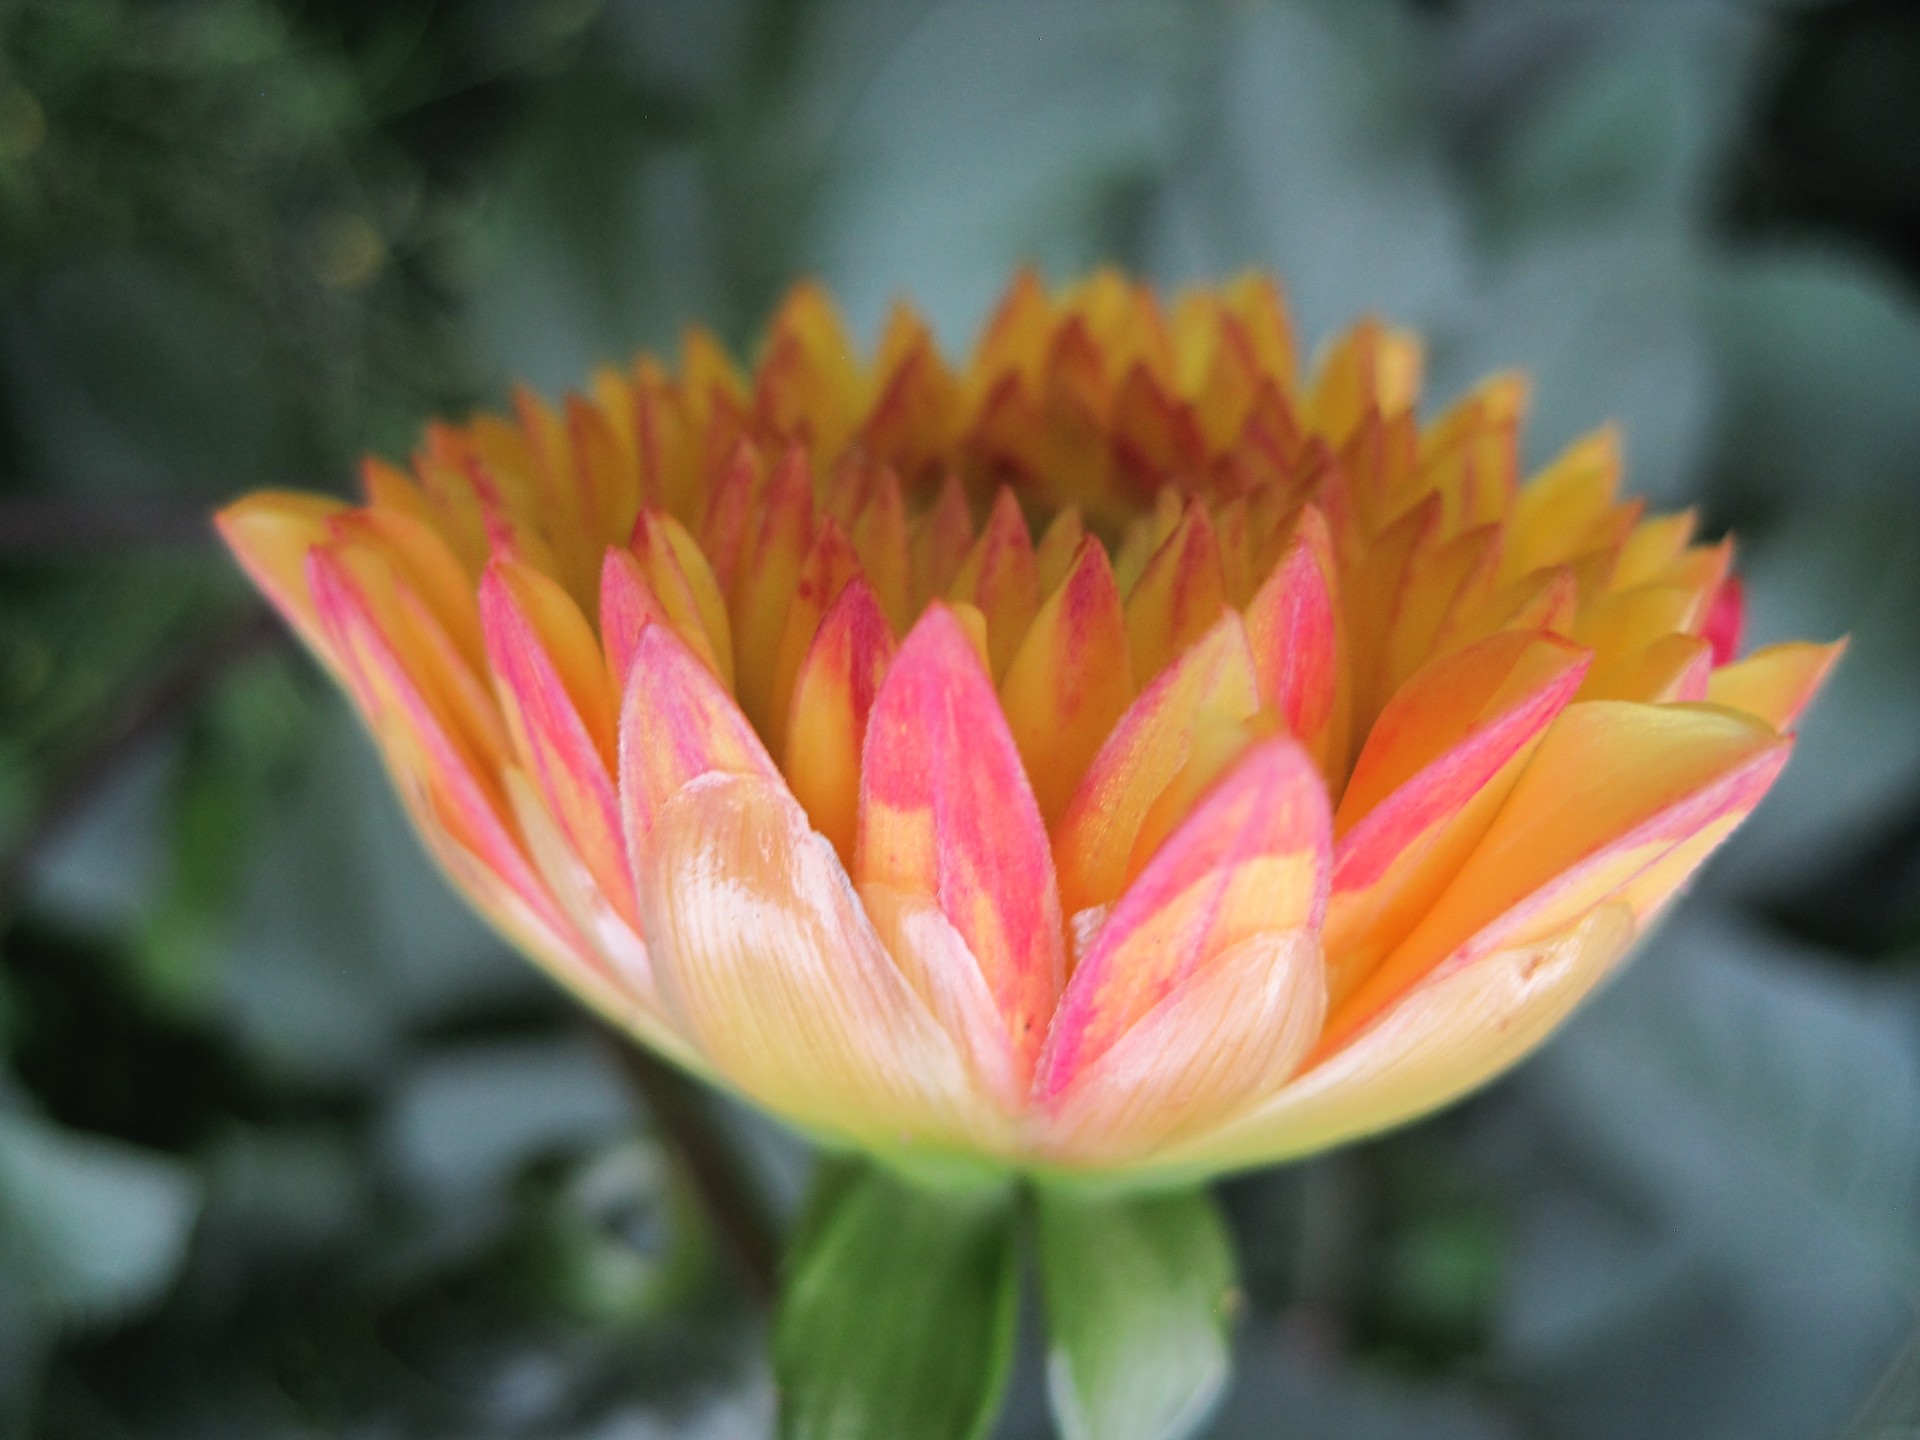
(1436, 769)
(1775, 684)
(946, 817)
(457, 808)
(1252, 859)
(1447, 1037)
(617, 958)
(771, 967)
(271, 534)
(552, 685)
(1235, 1031)
(1614, 794)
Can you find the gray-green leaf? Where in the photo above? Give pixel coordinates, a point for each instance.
(897, 1315)
(90, 1228)
(1140, 1299)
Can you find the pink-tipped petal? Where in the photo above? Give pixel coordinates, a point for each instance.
(946, 815)
(1620, 802)
(1252, 858)
(271, 535)
(1229, 1037)
(627, 606)
(455, 801)
(1293, 623)
(552, 685)
(1148, 748)
(1726, 620)
(1439, 764)
(677, 723)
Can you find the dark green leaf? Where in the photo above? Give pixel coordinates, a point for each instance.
(898, 1312)
(1140, 1300)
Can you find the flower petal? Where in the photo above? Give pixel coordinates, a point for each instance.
(271, 534)
(1253, 858)
(1234, 1032)
(771, 968)
(1094, 840)
(1775, 684)
(676, 724)
(453, 796)
(1179, 596)
(552, 685)
(999, 578)
(1293, 624)
(1448, 1036)
(1071, 679)
(1614, 792)
(946, 815)
(1436, 769)
(832, 697)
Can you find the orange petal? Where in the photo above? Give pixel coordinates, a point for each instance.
(1255, 302)
(1652, 546)
(729, 514)
(1071, 679)
(552, 684)
(1557, 513)
(1000, 579)
(1435, 771)
(443, 782)
(686, 588)
(946, 815)
(1180, 595)
(1672, 668)
(763, 587)
(431, 570)
(1612, 793)
(879, 534)
(829, 567)
(1443, 580)
(832, 696)
(1252, 858)
(270, 534)
(1059, 549)
(1775, 684)
(1094, 840)
(941, 539)
(1293, 623)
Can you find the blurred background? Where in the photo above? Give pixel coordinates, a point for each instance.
(290, 1147)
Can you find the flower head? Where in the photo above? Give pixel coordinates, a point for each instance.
(1121, 752)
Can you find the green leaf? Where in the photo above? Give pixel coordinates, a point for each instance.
(898, 1311)
(90, 1228)
(1140, 1300)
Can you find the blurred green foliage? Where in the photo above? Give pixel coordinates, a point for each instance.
(289, 1147)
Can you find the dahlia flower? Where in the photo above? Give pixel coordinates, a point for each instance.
(1120, 753)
